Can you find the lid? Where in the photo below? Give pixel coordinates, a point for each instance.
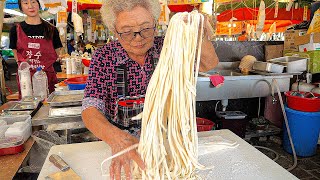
(24, 66)
(12, 141)
(231, 114)
(39, 68)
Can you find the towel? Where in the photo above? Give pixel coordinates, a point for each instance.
(216, 80)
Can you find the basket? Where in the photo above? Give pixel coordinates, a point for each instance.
(204, 124)
(303, 104)
(77, 83)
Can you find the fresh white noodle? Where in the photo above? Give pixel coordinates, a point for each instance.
(168, 141)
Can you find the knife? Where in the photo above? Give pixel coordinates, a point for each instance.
(66, 171)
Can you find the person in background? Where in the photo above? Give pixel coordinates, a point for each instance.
(71, 48)
(243, 36)
(81, 47)
(35, 41)
(122, 69)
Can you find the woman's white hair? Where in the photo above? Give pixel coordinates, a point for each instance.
(111, 8)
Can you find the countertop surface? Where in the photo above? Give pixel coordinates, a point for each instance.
(240, 162)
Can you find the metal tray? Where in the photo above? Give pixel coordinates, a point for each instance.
(293, 64)
(65, 98)
(15, 113)
(22, 106)
(65, 111)
(267, 67)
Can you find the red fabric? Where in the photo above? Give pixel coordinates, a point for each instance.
(252, 14)
(216, 80)
(38, 53)
(83, 6)
(182, 8)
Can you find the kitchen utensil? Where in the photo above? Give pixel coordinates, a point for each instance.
(64, 111)
(66, 171)
(267, 67)
(65, 98)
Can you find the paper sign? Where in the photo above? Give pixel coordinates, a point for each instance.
(62, 17)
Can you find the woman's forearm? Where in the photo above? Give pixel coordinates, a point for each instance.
(96, 122)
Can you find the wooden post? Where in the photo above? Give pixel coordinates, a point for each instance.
(2, 80)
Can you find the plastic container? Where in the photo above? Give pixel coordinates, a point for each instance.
(304, 128)
(25, 79)
(40, 84)
(302, 103)
(235, 121)
(204, 124)
(11, 145)
(77, 83)
(17, 129)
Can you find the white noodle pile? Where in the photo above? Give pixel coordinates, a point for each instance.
(169, 141)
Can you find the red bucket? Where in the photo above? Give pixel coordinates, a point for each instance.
(204, 124)
(302, 103)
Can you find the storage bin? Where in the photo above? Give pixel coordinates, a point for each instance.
(235, 121)
(304, 128)
(24, 131)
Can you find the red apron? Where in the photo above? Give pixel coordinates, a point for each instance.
(38, 53)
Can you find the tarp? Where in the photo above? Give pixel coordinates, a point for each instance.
(243, 14)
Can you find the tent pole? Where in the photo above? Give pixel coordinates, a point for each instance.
(2, 80)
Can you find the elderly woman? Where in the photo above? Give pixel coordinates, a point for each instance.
(122, 69)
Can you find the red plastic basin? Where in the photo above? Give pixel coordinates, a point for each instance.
(302, 103)
(204, 124)
(76, 80)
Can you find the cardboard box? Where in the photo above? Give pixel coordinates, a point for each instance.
(273, 51)
(289, 39)
(308, 42)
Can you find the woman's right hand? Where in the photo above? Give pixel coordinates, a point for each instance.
(120, 141)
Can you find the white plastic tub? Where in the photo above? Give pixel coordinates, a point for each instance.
(16, 126)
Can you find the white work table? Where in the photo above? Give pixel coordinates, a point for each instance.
(241, 162)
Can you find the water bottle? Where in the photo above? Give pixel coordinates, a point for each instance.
(25, 79)
(40, 84)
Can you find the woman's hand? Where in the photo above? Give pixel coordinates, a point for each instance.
(122, 140)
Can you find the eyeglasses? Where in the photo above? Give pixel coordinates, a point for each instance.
(144, 33)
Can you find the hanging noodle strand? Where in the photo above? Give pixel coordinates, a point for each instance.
(168, 141)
